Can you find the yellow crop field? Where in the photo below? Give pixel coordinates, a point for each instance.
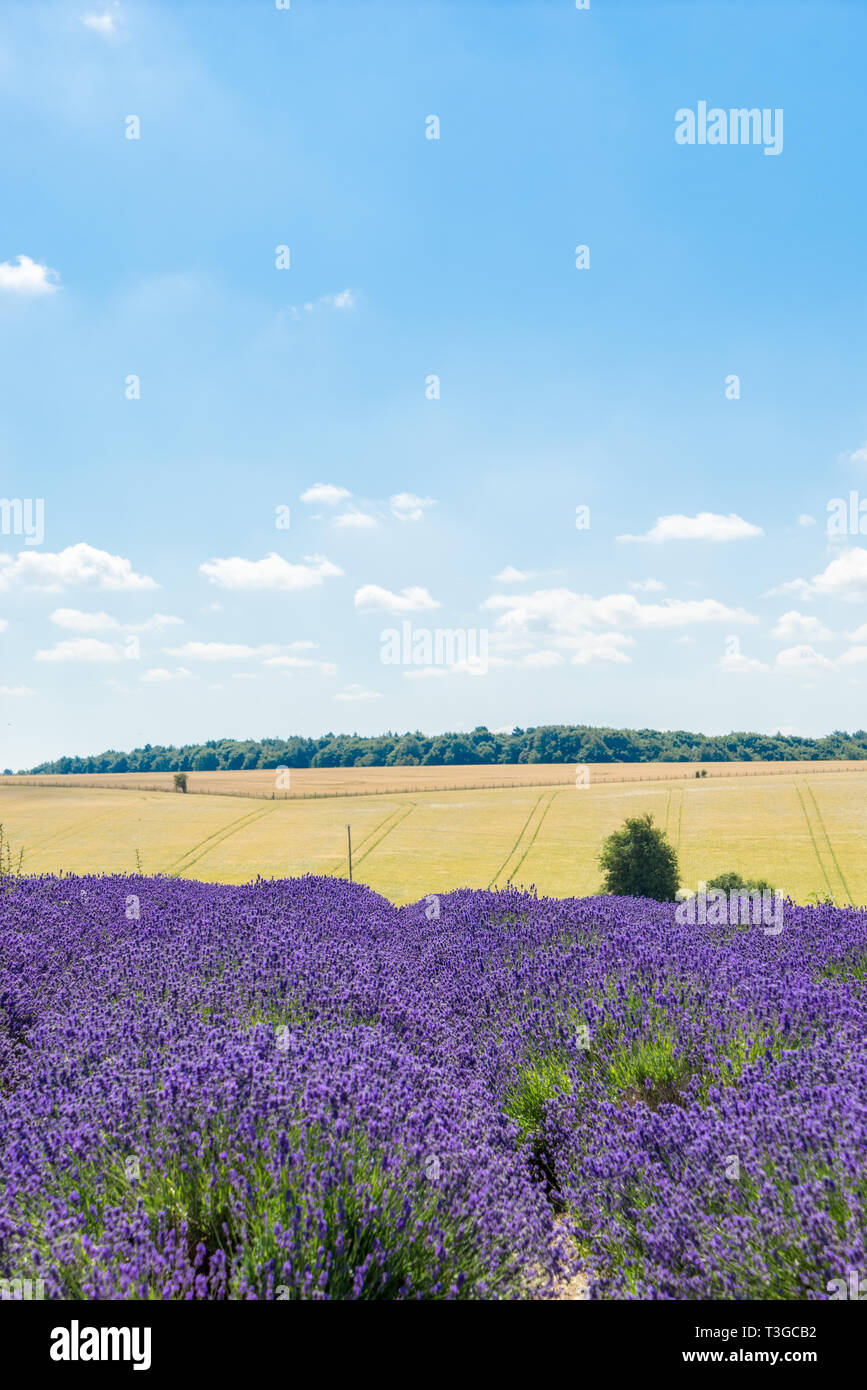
(287, 784)
(799, 825)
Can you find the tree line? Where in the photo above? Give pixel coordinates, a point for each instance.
(550, 743)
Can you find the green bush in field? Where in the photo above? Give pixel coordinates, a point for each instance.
(638, 862)
(732, 881)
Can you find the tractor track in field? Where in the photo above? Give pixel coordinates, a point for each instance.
(808, 791)
(517, 844)
(675, 810)
(532, 840)
(365, 847)
(186, 861)
(36, 845)
(815, 843)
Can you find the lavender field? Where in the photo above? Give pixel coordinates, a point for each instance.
(293, 1089)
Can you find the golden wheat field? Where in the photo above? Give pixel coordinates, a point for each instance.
(427, 830)
(359, 781)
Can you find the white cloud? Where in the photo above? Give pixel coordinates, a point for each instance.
(154, 624)
(358, 692)
(512, 576)
(360, 520)
(741, 665)
(543, 658)
(854, 656)
(585, 647)
(562, 610)
(806, 520)
(158, 675)
(27, 277)
(76, 565)
(452, 668)
(99, 23)
(794, 624)
(407, 507)
(74, 620)
(601, 646)
(221, 651)
(272, 572)
(344, 299)
(502, 643)
(706, 526)
(410, 600)
(327, 493)
(3, 624)
(302, 663)
(859, 455)
(16, 690)
(88, 649)
(845, 578)
(802, 660)
(647, 586)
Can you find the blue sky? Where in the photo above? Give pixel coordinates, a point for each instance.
(163, 603)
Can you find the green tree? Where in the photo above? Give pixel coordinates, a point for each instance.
(180, 781)
(732, 880)
(638, 862)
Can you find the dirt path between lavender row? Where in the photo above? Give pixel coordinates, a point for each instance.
(576, 1288)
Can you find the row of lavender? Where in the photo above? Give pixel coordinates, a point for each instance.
(294, 1089)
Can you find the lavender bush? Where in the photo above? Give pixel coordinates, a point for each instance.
(295, 1090)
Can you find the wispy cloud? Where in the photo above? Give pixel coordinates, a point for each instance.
(342, 302)
(406, 506)
(158, 675)
(561, 610)
(345, 299)
(647, 586)
(84, 649)
(302, 663)
(221, 651)
(740, 665)
(358, 692)
(101, 23)
(74, 620)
